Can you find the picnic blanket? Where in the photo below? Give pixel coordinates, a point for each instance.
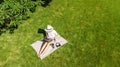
(38, 44)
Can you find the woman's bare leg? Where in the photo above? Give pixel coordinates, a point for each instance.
(52, 42)
(42, 48)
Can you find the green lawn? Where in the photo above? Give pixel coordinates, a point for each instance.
(92, 28)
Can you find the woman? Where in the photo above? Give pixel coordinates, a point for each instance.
(48, 40)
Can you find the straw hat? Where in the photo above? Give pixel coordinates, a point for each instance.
(49, 28)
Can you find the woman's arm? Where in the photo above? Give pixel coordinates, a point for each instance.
(46, 35)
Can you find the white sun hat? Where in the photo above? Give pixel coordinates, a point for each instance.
(49, 28)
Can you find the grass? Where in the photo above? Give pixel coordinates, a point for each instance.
(92, 28)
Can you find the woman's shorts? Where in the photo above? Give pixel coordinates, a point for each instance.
(47, 39)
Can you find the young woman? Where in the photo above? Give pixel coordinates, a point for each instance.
(48, 40)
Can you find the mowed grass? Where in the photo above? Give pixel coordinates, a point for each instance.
(92, 28)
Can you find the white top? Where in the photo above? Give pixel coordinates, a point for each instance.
(52, 34)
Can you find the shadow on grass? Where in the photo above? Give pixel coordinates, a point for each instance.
(1, 1)
(45, 3)
(42, 31)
